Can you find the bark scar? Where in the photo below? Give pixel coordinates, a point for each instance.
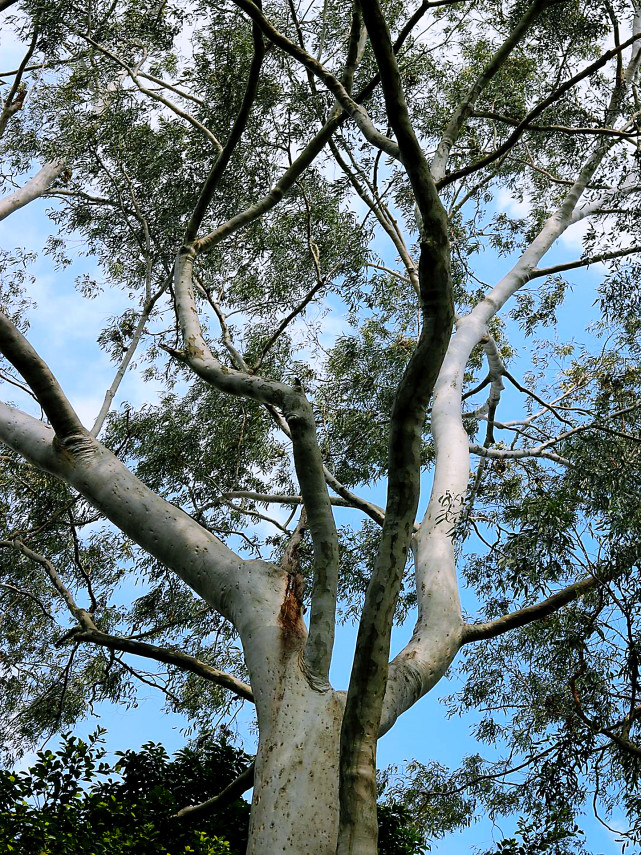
(290, 616)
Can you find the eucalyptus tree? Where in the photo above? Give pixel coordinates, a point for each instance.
(295, 202)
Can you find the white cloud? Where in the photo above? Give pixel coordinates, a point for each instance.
(511, 206)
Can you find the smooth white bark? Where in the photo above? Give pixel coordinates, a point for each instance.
(296, 790)
(238, 589)
(295, 800)
(33, 189)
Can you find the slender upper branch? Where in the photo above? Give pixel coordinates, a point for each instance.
(317, 142)
(110, 394)
(81, 615)
(523, 125)
(584, 262)
(622, 742)
(464, 109)
(209, 187)
(14, 100)
(133, 74)
(88, 631)
(421, 662)
(563, 129)
(349, 105)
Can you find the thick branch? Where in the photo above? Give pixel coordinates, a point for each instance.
(362, 717)
(33, 189)
(165, 531)
(17, 350)
(307, 460)
(517, 454)
(435, 563)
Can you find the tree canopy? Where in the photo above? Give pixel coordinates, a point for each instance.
(73, 800)
(344, 245)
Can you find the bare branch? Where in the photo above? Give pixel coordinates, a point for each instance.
(539, 272)
(464, 109)
(169, 657)
(522, 617)
(244, 782)
(110, 394)
(523, 125)
(535, 397)
(517, 454)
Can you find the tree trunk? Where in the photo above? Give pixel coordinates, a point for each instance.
(295, 802)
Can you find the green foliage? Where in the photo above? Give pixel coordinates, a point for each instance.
(72, 800)
(545, 834)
